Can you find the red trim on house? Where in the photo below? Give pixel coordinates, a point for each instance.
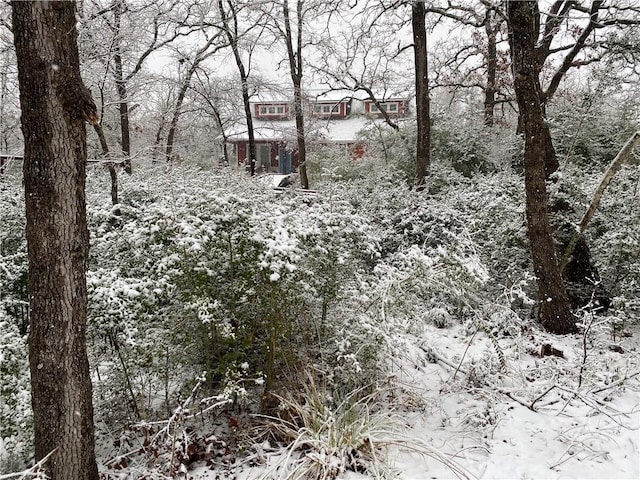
(271, 110)
(400, 107)
(340, 113)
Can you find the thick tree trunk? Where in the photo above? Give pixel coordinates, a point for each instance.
(54, 105)
(554, 310)
(423, 140)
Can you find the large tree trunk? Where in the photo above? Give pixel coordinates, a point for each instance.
(422, 92)
(554, 310)
(54, 105)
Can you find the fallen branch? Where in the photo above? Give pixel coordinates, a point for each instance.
(615, 165)
(617, 382)
(34, 471)
(433, 357)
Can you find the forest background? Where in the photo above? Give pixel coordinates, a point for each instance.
(295, 305)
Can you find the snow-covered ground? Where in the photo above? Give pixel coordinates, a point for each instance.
(454, 412)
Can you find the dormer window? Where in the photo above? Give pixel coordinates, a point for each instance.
(326, 109)
(389, 107)
(266, 110)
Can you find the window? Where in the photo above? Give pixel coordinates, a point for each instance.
(269, 110)
(390, 107)
(326, 109)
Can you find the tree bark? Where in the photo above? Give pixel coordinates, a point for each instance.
(423, 140)
(232, 37)
(54, 105)
(295, 67)
(491, 59)
(554, 310)
(121, 87)
(113, 173)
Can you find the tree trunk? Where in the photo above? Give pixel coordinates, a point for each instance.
(295, 67)
(554, 310)
(491, 60)
(201, 55)
(422, 93)
(54, 104)
(232, 37)
(113, 173)
(121, 87)
(302, 146)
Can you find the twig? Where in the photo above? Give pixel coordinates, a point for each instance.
(464, 354)
(541, 396)
(33, 471)
(595, 404)
(515, 399)
(585, 350)
(616, 383)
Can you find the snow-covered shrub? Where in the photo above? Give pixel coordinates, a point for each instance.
(391, 151)
(13, 252)
(15, 404)
(590, 125)
(233, 275)
(15, 400)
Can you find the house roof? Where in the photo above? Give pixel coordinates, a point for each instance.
(323, 130)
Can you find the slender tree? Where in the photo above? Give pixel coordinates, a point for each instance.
(293, 42)
(554, 309)
(121, 83)
(55, 104)
(211, 46)
(423, 140)
(134, 31)
(474, 60)
(230, 22)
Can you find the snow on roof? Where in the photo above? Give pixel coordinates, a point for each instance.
(328, 130)
(331, 96)
(343, 131)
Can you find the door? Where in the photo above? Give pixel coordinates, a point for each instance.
(264, 157)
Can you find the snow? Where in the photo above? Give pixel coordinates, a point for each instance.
(452, 423)
(333, 131)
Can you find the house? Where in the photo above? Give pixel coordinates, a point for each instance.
(332, 119)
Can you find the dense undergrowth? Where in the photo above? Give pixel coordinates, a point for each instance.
(213, 297)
